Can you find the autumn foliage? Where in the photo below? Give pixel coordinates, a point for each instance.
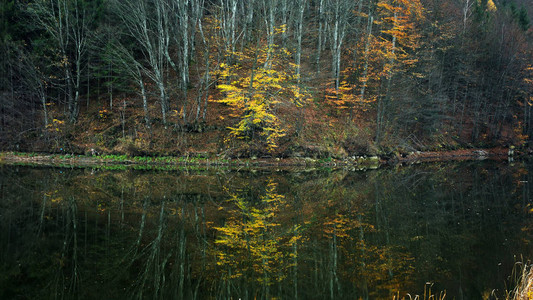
(327, 78)
(254, 86)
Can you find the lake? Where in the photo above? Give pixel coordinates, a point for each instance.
(81, 233)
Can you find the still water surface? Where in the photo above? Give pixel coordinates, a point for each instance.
(263, 234)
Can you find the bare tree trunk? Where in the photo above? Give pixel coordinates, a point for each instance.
(367, 50)
(145, 102)
(284, 18)
(138, 20)
(339, 32)
(110, 86)
(229, 17)
(80, 33)
(384, 101)
(184, 63)
(270, 8)
(42, 96)
(321, 17)
(249, 20)
(466, 13)
(204, 89)
(302, 4)
(299, 33)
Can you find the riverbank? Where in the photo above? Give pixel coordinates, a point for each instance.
(499, 153)
(170, 162)
(199, 160)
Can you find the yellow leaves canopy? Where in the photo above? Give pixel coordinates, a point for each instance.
(253, 87)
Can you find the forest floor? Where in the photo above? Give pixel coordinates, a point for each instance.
(119, 136)
(174, 162)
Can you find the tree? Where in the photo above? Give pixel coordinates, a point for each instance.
(142, 19)
(133, 69)
(400, 40)
(68, 25)
(342, 11)
(254, 87)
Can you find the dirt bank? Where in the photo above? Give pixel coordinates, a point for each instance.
(499, 153)
(171, 162)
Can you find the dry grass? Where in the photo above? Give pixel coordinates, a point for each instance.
(523, 276)
(427, 295)
(521, 279)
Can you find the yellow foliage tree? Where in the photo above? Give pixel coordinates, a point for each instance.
(254, 87)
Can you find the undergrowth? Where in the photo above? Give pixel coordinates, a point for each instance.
(522, 279)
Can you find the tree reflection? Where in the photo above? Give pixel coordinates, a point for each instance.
(253, 245)
(262, 234)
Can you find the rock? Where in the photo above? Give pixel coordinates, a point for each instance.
(481, 153)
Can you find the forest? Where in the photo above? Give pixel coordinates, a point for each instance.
(264, 78)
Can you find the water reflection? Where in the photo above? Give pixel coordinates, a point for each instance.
(80, 233)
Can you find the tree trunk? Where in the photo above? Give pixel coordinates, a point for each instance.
(367, 49)
(320, 34)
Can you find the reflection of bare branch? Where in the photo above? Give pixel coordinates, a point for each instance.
(70, 240)
(152, 262)
(178, 273)
(41, 217)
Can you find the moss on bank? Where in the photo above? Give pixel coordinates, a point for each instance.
(203, 160)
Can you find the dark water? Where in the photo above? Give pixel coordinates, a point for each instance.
(219, 234)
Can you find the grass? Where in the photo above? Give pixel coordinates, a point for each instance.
(114, 157)
(523, 278)
(193, 159)
(428, 295)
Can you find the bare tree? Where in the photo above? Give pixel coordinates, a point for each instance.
(341, 10)
(321, 24)
(228, 18)
(367, 52)
(126, 62)
(301, 5)
(270, 7)
(153, 37)
(67, 24)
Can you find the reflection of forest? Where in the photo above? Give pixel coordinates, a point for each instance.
(261, 234)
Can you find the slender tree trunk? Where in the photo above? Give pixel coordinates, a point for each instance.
(466, 12)
(145, 102)
(42, 96)
(367, 51)
(184, 24)
(110, 85)
(302, 4)
(206, 74)
(339, 32)
(284, 17)
(88, 83)
(249, 20)
(320, 34)
(163, 100)
(270, 6)
(384, 101)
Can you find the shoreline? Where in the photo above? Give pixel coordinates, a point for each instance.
(174, 162)
(498, 153)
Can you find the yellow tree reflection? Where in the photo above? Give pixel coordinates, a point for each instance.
(253, 244)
